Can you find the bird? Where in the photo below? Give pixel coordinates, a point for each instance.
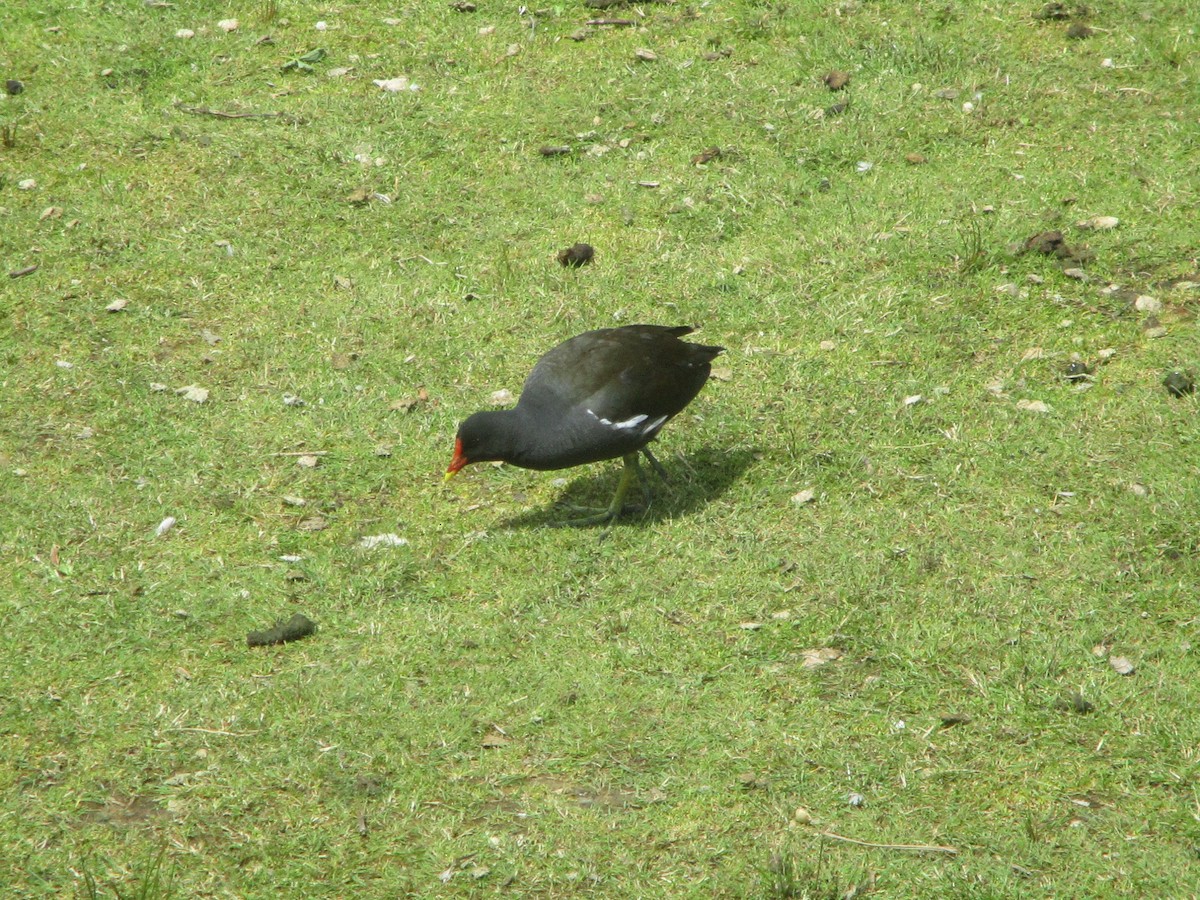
(600, 395)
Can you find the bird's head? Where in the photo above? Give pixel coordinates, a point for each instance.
(478, 440)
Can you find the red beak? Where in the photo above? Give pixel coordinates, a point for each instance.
(460, 458)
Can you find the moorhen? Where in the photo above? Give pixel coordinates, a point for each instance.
(600, 395)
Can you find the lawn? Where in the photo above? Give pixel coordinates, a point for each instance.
(915, 614)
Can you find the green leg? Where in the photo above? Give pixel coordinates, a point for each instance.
(658, 469)
(630, 472)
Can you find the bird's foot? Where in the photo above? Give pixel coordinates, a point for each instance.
(629, 473)
(592, 515)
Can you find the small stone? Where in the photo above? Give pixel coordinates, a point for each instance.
(228, 25)
(836, 80)
(193, 392)
(1179, 383)
(13, 87)
(1077, 370)
(1050, 243)
(1099, 223)
(1034, 406)
(1076, 273)
(1153, 329)
(1121, 665)
(856, 799)
(395, 85)
(26, 184)
(185, 33)
(371, 542)
(576, 255)
(828, 345)
(915, 159)
(645, 55)
(1148, 304)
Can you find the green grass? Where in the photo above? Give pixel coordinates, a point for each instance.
(500, 707)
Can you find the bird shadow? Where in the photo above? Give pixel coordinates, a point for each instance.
(692, 482)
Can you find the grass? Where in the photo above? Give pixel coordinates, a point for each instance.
(501, 707)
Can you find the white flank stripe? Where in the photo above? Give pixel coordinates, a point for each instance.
(631, 423)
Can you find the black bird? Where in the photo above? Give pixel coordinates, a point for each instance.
(600, 395)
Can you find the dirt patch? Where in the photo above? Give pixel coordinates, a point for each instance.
(122, 810)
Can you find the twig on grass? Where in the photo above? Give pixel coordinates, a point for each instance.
(222, 114)
(915, 848)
